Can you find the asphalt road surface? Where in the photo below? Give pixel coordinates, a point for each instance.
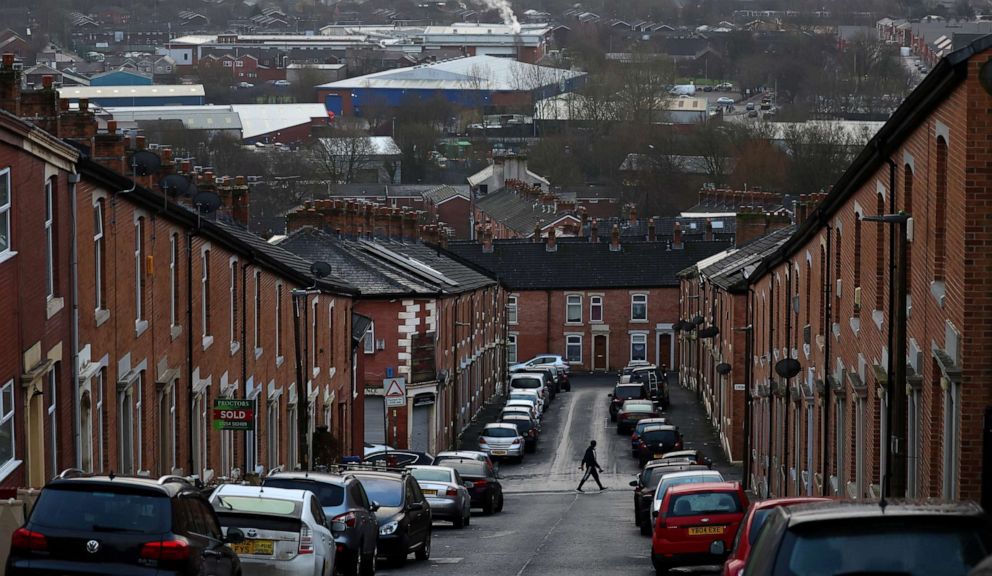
(548, 529)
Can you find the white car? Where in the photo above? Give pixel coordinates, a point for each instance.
(525, 394)
(535, 413)
(282, 83)
(285, 530)
(725, 101)
(502, 440)
(540, 360)
(374, 448)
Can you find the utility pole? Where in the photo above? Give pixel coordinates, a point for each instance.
(302, 398)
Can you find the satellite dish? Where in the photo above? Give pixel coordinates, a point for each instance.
(320, 269)
(207, 202)
(178, 185)
(145, 162)
(697, 320)
(723, 368)
(708, 332)
(788, 367)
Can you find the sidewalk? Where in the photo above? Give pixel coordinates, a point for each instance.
(689, 414)
(469, 438)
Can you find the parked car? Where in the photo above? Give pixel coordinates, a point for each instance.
(749, 107)
(633, 410)
(528, 380)
(399, 458)
(527, 427)
(692, 455)
(656, 441)
(623, 392)
(286, 530)
(521, 408)
(373, 448)
(646, 483)
(635, 436)
(282, 83)
(349, 512)
(446, 492)
(535, 411)
(524, 394)
(751, 525)
(404, 515)
(120, 525)
(462, 455)
(245, 85)
(486, 491)
(697, 525)
(502, 440)
(550, 374)
(677, 479)
(542, 359)
(871, 538)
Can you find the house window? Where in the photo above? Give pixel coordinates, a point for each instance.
(638, 347)
(53, 445)
(205, 293)
(573, 348)
(940, 212)
(370, 339)
(125, 431)
(907, 201)
(511, 348)
(167, 429)
(49, 240)
(511, 310)
(99, 252)
(293, 456)
(913, 444)
(840, 444)
(857, 252)
(199, 434)
(272, 427)
(251, 442)
(639, 307)
(596, 309)
(138, 424)
(278, 324)
(86, 432)
(7, 423)
(233, 291)
(951, 438)
(880, 255)
(174, 289)
(101, 377)
(859, 448)
(5, 240)
(258, 311)
(573, 308)
(139, 270)
(314, 326)
(330, 335)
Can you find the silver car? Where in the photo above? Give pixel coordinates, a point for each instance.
(446, 492)
(502, 440)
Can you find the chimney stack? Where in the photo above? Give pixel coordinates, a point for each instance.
(709, 230)
(652, 235)
(677, 236)
(615, 239)
(594, 230)
(552, 245)
(537, 232)
(487, 240)
(633, 215)
(10, 86)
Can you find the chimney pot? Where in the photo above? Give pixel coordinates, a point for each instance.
(677, 236)
(47, 80)
(615, 239)
(8, 60)
(84, 105)
(111, 126)
(552, 244)
(651, 230)
(139, 143)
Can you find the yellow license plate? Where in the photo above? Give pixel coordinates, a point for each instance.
(499, 452)
(706, 530)
(658, 455)
(264, 547)
(429, 492)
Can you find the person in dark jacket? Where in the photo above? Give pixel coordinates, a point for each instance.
(591, 466)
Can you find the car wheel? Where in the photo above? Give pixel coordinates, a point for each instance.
(459, 522)
(424, 552)
(490, 505)
(369, 563)
(613, 417)
(659, 566)
(646, 528)
(468, 517)
(398, 559)
(499, 503)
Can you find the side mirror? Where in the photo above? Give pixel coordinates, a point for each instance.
(234, 536)
(718, 548)
(374, 506)
(469, 485)
(633, 483)
(415, 506)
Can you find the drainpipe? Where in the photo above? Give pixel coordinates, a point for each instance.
(771, 393)
(547, 322)
(748, 376)
(827, 323)
(244, 353)
(189, 351)
(74, 320)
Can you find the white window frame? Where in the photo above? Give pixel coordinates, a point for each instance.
(138, 424)
(199, 433)
(951, 438)
(125, 431)
(859, 448)
(205, 295)
(595, 302)
(293, 447)
(573, 301)
(272, 432)
(49, 240)
(511, 348)
(5, 214)
(53, 386)
(569, 342)
(369, 341)
(100, 377)
(173, 278)
(99, 253)
(7, 415)
(139, 289)
(232, 290)
(278, 310)
(634, 302)
(86, 452)
(258, 313)
(511, 310)
(644, 340)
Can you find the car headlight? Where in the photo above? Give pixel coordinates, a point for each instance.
(388, 528)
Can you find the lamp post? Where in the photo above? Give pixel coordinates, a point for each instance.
(300, 298)
(894, 481)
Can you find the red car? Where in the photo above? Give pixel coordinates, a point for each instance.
(750, 527)
(696, 524)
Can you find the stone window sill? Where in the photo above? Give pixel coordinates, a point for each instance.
(101, 315)
(175, 331)
(53, 307)
(207, 342)
(139, 327)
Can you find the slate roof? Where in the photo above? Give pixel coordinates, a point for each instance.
(515, 212)
(522, 265)
(373, 190)
(726, 272)
(724, 227)
(446, 192)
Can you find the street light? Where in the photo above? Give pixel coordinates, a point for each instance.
(300, 297)
(894, 478)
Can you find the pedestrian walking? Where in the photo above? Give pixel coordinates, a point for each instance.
(591, 466)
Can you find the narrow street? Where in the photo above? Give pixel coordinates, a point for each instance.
(546, 527)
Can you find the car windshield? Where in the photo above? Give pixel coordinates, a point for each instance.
(663, 436)
(469, 468)
(522, 425)
(385, 491)
(892, 547)
(429, 475)
(667, 483)
(705, 503)
(628, 392)
(96, 510)
(499, 433)
(524, 397)
(525, 383)
(329, 495)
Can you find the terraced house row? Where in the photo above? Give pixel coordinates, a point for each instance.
(128, 312)
(850, 356)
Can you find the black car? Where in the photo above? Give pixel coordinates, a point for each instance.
(622, 393)
(403, 514)
(350, 514)
(399, 458)
(486, 492)
(645, 485)
(871, 538)
(122, 525)
(527, 428)
(656, 441)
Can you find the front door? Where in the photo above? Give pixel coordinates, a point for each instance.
(599, 361)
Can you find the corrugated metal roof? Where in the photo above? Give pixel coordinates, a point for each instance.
(258, 119)
(160, 90)
(192, 117)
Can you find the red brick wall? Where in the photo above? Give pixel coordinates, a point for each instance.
(455, 214)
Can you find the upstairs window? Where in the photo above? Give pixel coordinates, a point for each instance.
(596, 309)
(5, 196)
(573, 308)
(511, 310)
(639, 307)
(99, 258)
(49, 240)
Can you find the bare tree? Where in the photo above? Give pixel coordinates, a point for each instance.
(345, 155)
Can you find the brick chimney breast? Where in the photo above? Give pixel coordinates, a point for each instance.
(594, 230)
(552, 244)
(677, 236)
(615, 239)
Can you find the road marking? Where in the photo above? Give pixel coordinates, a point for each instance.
(547, 535)
(499, 534)
(566, 440)
(446, 560)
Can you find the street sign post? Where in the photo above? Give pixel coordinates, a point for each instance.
(395, 391)
(231, 414)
